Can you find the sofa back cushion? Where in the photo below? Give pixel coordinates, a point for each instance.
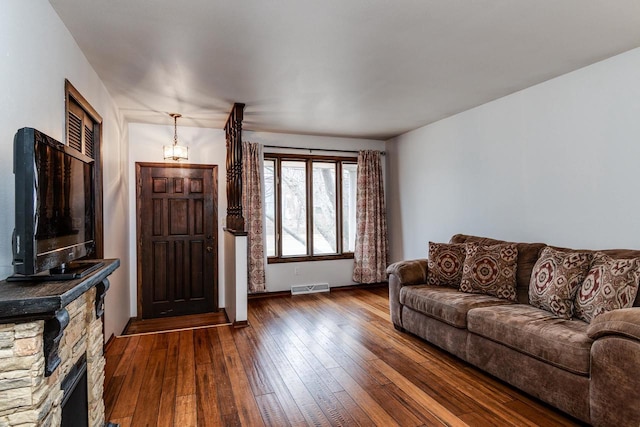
(556, 278)
(616, 254)
(445, 264)
(527, 257)
(490, 270)
(528, 254)
(611, 283)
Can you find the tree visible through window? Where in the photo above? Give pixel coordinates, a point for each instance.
(349, 182)
(293, 207)
(309, 207)
(325, 221)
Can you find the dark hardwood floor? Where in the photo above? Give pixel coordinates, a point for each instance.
(320, 359)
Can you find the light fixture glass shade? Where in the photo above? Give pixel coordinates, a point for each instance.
(176, 152)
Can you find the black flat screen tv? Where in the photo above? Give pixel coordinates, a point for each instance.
(54, 195)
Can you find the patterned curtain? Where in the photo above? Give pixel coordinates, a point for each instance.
(253, 213)
(372, 248)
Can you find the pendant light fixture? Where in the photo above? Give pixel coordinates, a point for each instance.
(175, 151)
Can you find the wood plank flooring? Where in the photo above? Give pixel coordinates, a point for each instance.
(322, 360)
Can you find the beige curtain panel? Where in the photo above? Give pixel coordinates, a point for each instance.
(372, 248)
(253, 213)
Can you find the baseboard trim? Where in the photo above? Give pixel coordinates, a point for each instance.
(240, 324)
(360, 286)
(126, 327)
(279, 294)
(269, 294)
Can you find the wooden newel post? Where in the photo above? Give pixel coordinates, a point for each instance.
(233, 130)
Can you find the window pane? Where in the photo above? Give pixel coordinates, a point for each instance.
(349, 176)
(294, 208)
(270, 206)
(324, 209)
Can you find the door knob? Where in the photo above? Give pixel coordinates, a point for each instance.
(209, 249)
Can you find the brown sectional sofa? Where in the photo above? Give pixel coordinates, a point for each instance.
(590, 371)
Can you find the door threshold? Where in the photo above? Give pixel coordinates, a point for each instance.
(176, 323)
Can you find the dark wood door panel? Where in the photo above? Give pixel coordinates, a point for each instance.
(177, 235)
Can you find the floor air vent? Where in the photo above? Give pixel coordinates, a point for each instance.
(309, 289)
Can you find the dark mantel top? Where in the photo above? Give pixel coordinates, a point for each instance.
(21, 301)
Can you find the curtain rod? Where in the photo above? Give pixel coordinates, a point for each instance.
(316, 149)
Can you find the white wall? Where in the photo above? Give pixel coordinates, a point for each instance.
(280, 277)
(38, 53)
(557, 163)
(235, 277)
(206, 146)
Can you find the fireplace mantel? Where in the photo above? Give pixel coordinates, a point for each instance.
(46, 300)
(26, 301)
(47, 328)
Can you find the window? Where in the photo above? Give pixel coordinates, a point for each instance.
(83, 131)
(325, 221)
(309, 207)
(270, 206)
(293, 207)
(349, 175)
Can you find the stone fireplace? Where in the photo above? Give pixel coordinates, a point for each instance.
(38, 355)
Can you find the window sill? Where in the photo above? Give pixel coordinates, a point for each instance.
(306, 258)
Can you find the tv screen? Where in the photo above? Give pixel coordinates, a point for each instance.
(54, 203)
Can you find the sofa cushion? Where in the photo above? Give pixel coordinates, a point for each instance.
(555, 280)
(613, 253)
(610, 284)
(535, 332)
(527, 257)
(445, 304)
(490, 270)
(445, 264)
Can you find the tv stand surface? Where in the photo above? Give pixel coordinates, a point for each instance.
(70, 271)
(76, 269)
(34, 300)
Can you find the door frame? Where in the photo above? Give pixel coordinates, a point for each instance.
(214, 171)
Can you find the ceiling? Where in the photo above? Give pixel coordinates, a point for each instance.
(355, 68)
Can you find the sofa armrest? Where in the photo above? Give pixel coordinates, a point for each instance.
(615, 357)
(624, 322)
(411, 272)
(403, 273)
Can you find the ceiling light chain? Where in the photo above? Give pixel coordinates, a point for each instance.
(175, 128)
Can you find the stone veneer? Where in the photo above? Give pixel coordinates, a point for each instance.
(27, 397)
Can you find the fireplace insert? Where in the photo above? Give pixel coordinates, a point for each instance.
(75, 403)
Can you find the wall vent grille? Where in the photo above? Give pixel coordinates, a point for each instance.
(309, 289)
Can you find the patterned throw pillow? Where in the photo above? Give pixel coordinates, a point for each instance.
(445, 264)
(490, 270)
(555, 279)
(610, 284)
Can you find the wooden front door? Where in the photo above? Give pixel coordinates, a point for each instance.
(177, 239)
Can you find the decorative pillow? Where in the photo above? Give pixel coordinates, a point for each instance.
(490, 270)
(445, 264)
(555, 279)
(610, 284)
